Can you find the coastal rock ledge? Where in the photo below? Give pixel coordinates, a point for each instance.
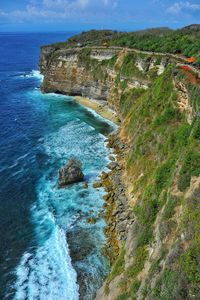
(70, 173)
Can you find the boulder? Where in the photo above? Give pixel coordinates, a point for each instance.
(121, 227)
(113, 165)
(91, 220)
(70, 173)
(85, 185)
(112, 158)
(97, 184)
(104, 175)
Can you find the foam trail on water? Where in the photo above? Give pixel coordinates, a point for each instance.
(37, 74)
(47, 272)
(33, 74)
(43, 276)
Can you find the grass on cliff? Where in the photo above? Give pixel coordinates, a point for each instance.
(97, 68)
(162, 138)
(164, 141)
(129, 68)
(165, 152)
(138, 264)
(118, 266)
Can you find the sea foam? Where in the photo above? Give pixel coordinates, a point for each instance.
(33, 74)
(46, 272)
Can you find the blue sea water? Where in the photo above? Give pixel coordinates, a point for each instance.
(48, 251)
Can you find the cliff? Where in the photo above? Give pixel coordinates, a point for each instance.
(96, 72)
(156, 249)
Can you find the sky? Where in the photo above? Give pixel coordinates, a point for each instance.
(79, 15)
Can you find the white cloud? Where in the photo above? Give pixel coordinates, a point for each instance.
(82, 3)
(2, 13)
(111, 3)
(79, 4)
(181, 6)
(115, 4)
(60, 9)
(63, 4)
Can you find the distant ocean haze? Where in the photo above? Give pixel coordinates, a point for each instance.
(47, 249)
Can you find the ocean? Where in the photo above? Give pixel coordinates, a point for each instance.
(48, 250)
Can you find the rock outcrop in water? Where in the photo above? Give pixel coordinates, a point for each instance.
(70, 173)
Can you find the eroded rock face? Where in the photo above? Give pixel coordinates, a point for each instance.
(73, 72)
(66, 73)
(70, 173)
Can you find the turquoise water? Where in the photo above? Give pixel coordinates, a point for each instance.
(48, 250)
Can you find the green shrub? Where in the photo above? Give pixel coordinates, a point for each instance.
(118, 266)
(129, 68)
(196, 129)
(128, 99)
(183, 134)
(145, 235)
(168, 114)
(134, 288)
(84, 56)
(139, 260)
(123, 297)
(161, 40)
(190, 259)
(190, 167)
(124, 84)
(167, 227)
(194, 96)
(170, 207)
(146, 211)
(190, 263)
(112, 61)
(155, 267)
(167, 287)
(164, 174)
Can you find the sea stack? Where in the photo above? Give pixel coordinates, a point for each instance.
(70, 173)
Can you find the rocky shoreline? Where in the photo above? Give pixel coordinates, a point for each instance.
(116, 211)
(117, 214)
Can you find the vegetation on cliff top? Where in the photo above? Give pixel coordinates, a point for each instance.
(185, 41)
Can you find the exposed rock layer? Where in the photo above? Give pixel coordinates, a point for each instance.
(94, 73)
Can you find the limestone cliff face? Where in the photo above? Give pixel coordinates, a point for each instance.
(95, 72)
(64, 73)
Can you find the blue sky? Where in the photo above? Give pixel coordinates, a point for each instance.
(70, 15)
